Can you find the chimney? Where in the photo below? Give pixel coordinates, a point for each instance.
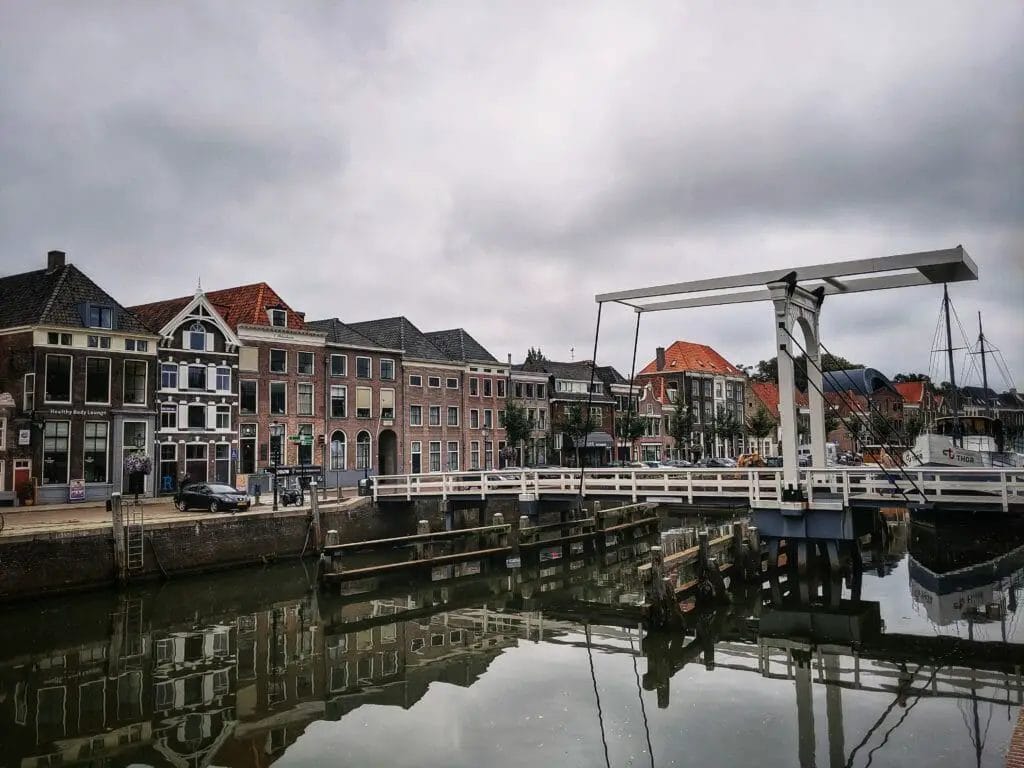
(55, 260)
(660, 357)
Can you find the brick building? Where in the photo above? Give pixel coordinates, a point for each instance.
(766, 394)
(530, 389)
(196, 392)
(712, 387)
(363, 404)
(454, 391)
(79, 368)
(864, 396)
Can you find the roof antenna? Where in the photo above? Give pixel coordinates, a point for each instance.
(572, 353)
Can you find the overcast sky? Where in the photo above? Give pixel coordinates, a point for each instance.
(495, 165)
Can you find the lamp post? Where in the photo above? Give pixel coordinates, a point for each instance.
(276, 431)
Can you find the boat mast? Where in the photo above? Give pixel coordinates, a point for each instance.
(984, 370)
(952, 371)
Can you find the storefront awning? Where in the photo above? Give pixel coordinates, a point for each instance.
(597, 440)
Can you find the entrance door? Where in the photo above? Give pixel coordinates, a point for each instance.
(416, 457)
(22, 472)
(387, 453)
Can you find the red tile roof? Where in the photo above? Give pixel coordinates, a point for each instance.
(768, 393)
(687, 356)
(911, 391)
(242, 305)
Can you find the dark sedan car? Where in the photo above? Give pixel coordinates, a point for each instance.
(215, 497)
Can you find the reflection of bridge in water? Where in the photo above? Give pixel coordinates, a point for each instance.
(190, 676)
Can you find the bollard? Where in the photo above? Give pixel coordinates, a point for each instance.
(117, 520)
(422, 548)
(496, 536)
(737, 545)
(314, 511)
(331, 560)
(525, 529)
(754, 548)
(703, 551)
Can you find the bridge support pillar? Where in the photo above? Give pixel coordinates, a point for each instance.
(804, 707)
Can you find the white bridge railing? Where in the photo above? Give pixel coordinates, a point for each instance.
(986, 488)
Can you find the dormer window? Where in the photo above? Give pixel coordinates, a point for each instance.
(278, 317)
(101, 317)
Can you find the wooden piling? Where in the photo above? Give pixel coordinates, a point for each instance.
(120, 550)
(422, 548)
(314, 511)
(663, 610)
(495, 539)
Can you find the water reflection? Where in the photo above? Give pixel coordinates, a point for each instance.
(232, 670)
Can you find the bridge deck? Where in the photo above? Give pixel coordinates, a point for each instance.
(997, 489)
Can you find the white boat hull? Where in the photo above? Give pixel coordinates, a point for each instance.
(939, 451)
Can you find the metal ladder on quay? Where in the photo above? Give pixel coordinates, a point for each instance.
(134, 542)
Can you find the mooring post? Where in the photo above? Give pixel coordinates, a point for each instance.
(314, 511)
(703, 551)
(497, 536)
(754, 553)
(120, 555)
(737, 546)
(525, 529)
(422, 548)
(333, 559)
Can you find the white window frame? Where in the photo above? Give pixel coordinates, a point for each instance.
(97, 342)
(499, 388)
(167, 408)
(3, 441)
(474, 455)
(474, 387)
(418, 382)
(272, 313)
(380, 369)
(415, 422)
(312, 363)
(448, 456)
(448, 382)
(431, 410)
(270, 360)
(433, 378)
(430, 456)
(216, 378)
(369, 414)
(344, 365)
(101, 309)
(106, 450)
(448, 415)
(488, 418)
(369, 363)
(177, 376)
(256, 404)
(27, 391)
(394, 407)
(298, 398)
(270, 398)
(186, 341)
(110, 377)
(222, 410)
(67, 451)
(344, 451)
(344, 397)
(487, 389)
(124, 384)
(71, 378)
(474, 418)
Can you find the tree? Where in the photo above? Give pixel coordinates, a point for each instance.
(517, 424)
(912, 427)
(535, 356)
(855, 428)
(681, 429)
(761, 424)
(576, 424)
(901, 378)
(630, 426)
(727, 426)
(832, 422)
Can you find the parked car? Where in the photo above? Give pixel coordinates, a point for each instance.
(215, 497)
(678, 463)
(773, 461)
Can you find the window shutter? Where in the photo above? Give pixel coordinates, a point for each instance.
(387, 398)
(364, 398)
(211, 377)
(209, 342)
(182, 376)
(182, 416)
(211, 416)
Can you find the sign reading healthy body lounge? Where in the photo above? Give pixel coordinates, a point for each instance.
(76, 490)
(89, 412)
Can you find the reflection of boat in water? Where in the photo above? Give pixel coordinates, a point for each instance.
(960, 572)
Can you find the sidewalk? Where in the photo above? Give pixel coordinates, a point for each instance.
(56, 518)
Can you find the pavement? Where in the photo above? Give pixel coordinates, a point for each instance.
(60, 518)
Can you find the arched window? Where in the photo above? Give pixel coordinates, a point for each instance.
(338, 451)
(363, 450)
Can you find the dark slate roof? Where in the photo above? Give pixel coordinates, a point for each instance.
(58, 298)
(579, 371)
(340, 334)
(582, 397)
(459, 345)
(859, 380)
(609, 375)
(399, 333)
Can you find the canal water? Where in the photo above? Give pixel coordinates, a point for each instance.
(543, 665)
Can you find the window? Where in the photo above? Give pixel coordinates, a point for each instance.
(29, 392)
(59, 339)
(247, 397)
(223, 417)
(305, 399)
(541, 419)
(364, 403)
(474, 418)
(278, 317)
(338, 451)
(197, 339)
(58, 379)
(434, 382)
(136, 345)
(306, 451)
(488, 418)
(278, 397)
(195, 461)
(197, 377)
(339, 404)
(474, 387)
(223, 379)
(98, 342)
(501, 387)
(197, 416)
(97, 380)
(387, 369)
(529, 390)
(95, 450)
(363, 450)
(416, 457)
(168, 376)
(415, 415)
(540, 391)
(453, 416)
(474, 455)
(517, 387)
(387, 404)
(168, 416)
(596, 416)
(707, 388)
(304, 363)
(435, 456)
(451, 383)
(364, 367)
(453, 456)
(278, 361)
(55, 452)
(488, 454)
(487, 387)
(339, 365)
(415, 380)
(247, 454)
(101, 317)
(435, 415)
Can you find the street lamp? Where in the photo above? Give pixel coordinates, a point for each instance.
(276, 432)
